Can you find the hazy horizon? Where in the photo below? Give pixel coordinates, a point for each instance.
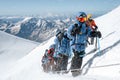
(49, 7)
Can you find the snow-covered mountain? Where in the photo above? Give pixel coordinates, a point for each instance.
(103, 65)
(33, 28)
(13, 48)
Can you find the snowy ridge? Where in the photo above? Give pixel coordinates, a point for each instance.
(103, 65)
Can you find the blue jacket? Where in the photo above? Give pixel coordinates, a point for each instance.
(62, 47)
(79, 41)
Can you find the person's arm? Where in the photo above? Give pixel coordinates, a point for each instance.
(94, 25)
(69, 32)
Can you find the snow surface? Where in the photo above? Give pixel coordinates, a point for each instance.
(103, 65)
(13, 48)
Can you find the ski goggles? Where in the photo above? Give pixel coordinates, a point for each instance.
(81, 19)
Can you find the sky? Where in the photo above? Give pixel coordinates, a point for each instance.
(43, 7)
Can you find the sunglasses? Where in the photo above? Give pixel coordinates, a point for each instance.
(81, 19)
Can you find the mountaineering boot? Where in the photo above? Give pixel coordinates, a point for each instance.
(76, 73)
(76, 64)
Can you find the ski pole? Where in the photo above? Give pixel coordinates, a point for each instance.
(98, 45)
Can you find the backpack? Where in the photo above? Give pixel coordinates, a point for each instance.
(51, 52)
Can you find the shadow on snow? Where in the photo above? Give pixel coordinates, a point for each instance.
(98, 54)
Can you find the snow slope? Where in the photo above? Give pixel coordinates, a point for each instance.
(12, 49)
(103, 65)
(106, 63)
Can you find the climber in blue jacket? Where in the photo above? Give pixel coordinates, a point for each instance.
(78, 34)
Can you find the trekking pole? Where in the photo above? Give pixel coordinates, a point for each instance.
(98, 45)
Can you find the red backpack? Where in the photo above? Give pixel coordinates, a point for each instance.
(51, 52)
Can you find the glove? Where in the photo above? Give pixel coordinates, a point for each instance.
(73, 33)
(96, 34)
(93, 34)
(99, 35)
(96, 28)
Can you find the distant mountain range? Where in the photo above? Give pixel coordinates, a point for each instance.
(34, 28)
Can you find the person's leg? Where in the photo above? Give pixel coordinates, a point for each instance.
(77, 63)
(58, 66)
(64, 63)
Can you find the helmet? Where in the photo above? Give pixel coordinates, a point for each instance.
(89, 16)
(81, 16)
(58, 31)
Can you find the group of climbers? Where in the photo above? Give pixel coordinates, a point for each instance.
(73, 40)
(59, 53)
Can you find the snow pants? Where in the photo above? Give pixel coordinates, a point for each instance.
(62, 63)
(77, 60)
